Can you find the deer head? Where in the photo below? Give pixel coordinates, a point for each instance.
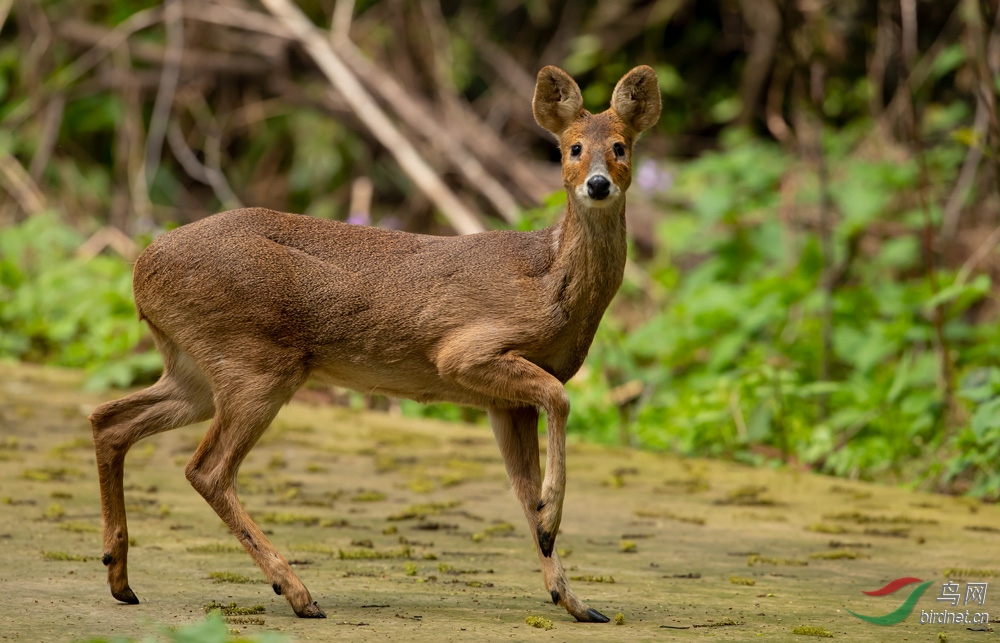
(596, 148)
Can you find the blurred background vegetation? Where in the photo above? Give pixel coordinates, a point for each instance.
(814, 221)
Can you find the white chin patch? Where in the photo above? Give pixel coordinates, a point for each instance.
(584, 199)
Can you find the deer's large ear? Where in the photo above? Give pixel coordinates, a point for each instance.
(637, 99)
(557, 101)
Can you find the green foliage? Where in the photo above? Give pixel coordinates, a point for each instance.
(212, 630)
(58, 309)
(735, 319)
(978, 443)
(728, 357)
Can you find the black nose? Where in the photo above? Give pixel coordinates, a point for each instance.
(598, 187)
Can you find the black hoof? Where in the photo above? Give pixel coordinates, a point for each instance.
(546, 542)
(593, 616)
(555, 597)
(126, 596)
(277, 588)
(311, 610)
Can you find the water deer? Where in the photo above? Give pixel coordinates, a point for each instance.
(245, 305)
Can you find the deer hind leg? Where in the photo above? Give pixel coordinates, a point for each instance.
(244, 411)
(516, 431)
(182, 396)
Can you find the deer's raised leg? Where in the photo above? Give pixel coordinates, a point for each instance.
(507, 377)
(516, 431)
(244, 409)
(517, 383)
(182, 396)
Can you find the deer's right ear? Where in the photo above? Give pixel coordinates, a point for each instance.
(636, 99)
(557, 101)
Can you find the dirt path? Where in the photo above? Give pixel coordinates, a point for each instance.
(676, 536)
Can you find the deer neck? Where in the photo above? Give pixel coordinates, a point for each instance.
(590, 248)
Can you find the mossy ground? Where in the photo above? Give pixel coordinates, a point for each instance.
(691, 525)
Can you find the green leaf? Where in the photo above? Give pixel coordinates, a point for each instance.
(976, 288)
(212, 630)
(986, 420)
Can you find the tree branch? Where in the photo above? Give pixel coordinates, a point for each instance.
(373, 117)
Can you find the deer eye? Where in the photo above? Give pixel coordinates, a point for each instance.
(575, 150)
(619, 150)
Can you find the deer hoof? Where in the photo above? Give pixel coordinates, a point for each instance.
(593, 616)
(126, 596)
(546, 542)
(311, 610)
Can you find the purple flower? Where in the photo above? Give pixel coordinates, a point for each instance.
(359, 218)
(650, 177)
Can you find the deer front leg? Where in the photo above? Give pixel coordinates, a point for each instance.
(505, 376)
(554, 486)
(516, 431)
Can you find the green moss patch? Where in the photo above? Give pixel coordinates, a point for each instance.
(810, 630)
(755, 559)
(840, 554)
(64, 556)
(232, 609)
(669, 515)
(424, 509)
(216, 548)
(540, 622)
(966, 572)
(231, 577)
(868, 519)
(374, 554)
(51, 474)
(287, 519)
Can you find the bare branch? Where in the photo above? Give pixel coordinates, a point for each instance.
(420, 118)
(50, 133)
(210, 175)
(360, 210)
(130, 149)
(216, 177)
(967, 175)
(108, 43)
(340, 27)
(19, 184)
(191, 58)
(774, 107)
(765, 20)
(229, 16)
(174, 19)
(917, 75)
(374, 118)
(985, 248)
(908, 11)
(108, 237)
(507, 68)
(5, 6)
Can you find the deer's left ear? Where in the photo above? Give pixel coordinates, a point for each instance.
(636, 99)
